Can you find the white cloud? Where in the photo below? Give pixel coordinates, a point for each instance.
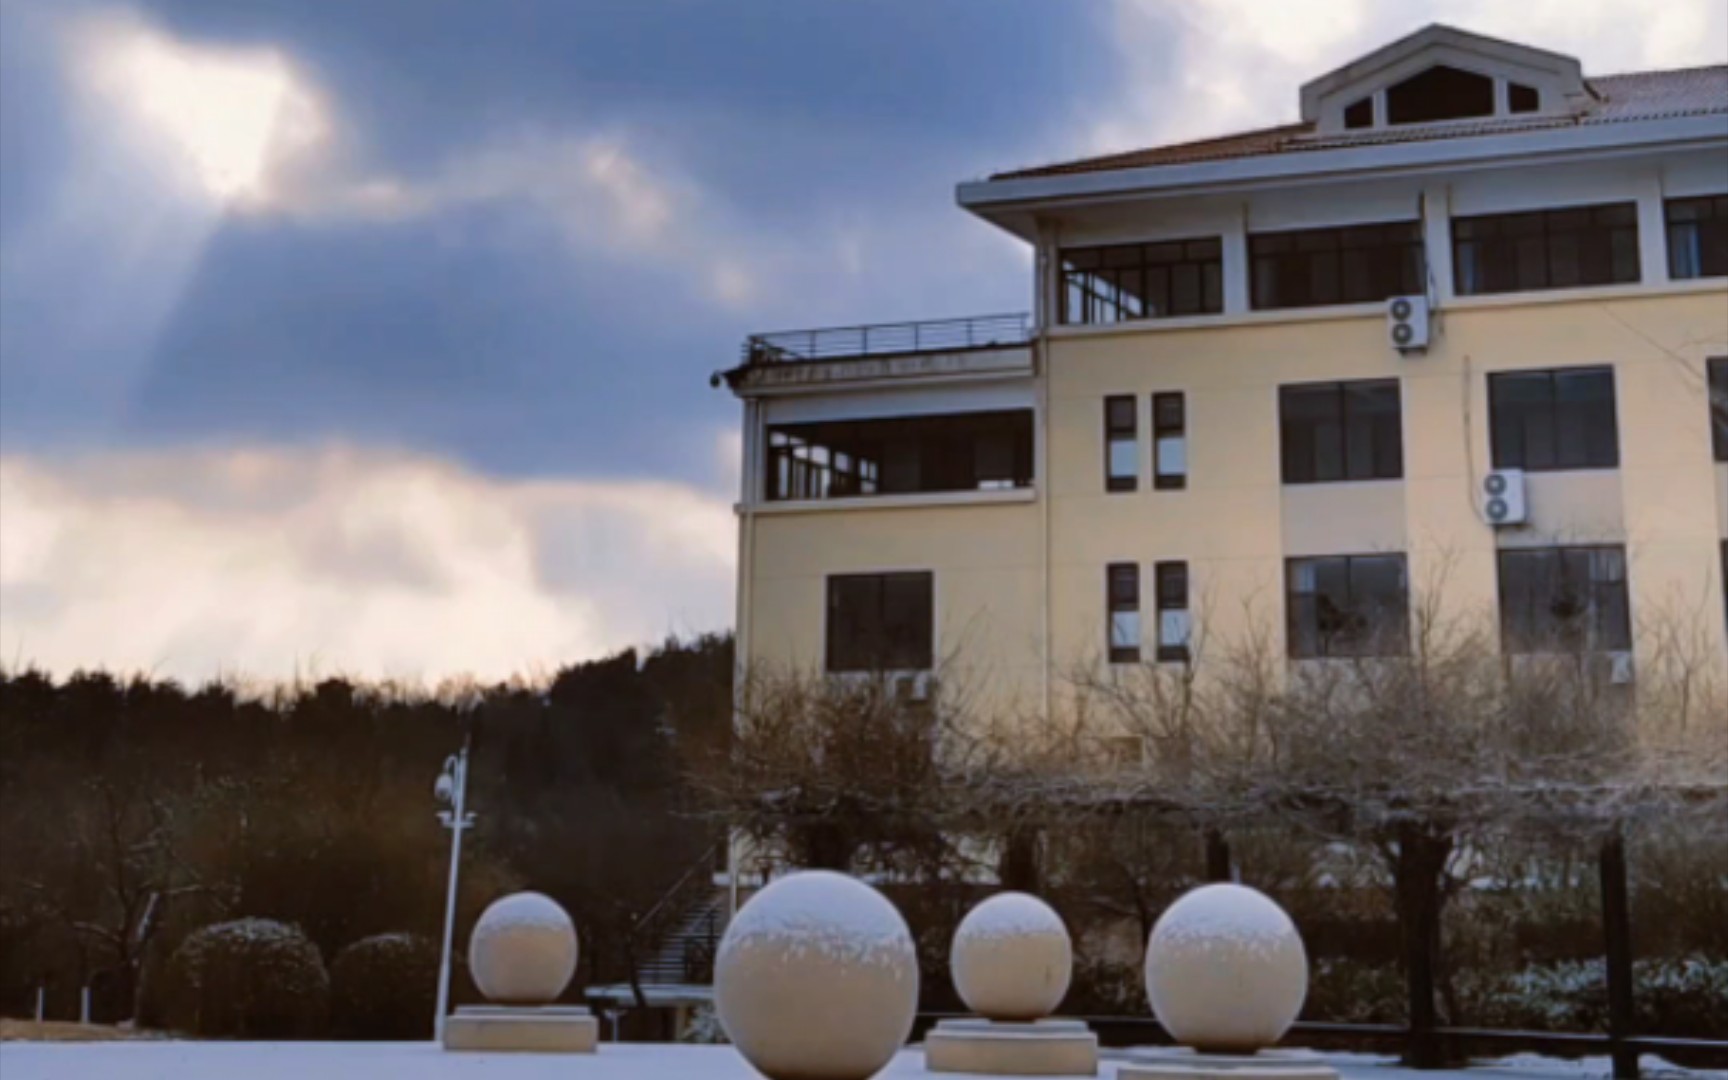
(228, 121)
(270, 561)
(1197, 68)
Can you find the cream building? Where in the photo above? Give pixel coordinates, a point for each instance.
(1457, 332)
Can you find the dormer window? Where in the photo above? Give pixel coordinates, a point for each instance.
(1439, 93)
(1360, 115)
(1522, 99)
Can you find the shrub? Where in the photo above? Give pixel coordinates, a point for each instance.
(249, 979)
(385, 987)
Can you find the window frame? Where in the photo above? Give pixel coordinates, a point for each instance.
(923, 649)
(1505, 238)
(1278, 254)
(1102, 287)
(1530, 641)
(1708, 246)
(1171, 586)
(853, 458)
(1122, 597)
(1174, 430)
(1499, 450)
(1384, 464)
(1114, 483)
(1390, 637)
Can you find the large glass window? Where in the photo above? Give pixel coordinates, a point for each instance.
(1341, 431)
(1348, 265)
(905, 455)
(1697, 237)
(1719, 406)
(1347, 605)
(1545, 249)
(1122, 597)
(1570, 599)
(1124, 282)
(880, 622)
(1544, 421)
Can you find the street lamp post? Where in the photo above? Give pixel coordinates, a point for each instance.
(452, 791)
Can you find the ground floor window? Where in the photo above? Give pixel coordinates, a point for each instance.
(1348, 605)
(1570, 599)
(881, 622)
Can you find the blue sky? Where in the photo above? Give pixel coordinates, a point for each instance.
(375, 336)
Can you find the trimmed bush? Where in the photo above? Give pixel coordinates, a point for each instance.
(385, 987)
(247, 979)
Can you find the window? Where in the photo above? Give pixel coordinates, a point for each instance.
(1544, 421)
(1348, 605)
(880, 622)
(1341, 431)
(1121, 444)
(1124, 282)
(1359, 114)
(1439, 93)
(1546, 249)
(1564, 600)
(1522, 99)
(1719, 406)
(1174, 623)
(1697, 237)
(1122, 586)
(1348, 265)
(906, 455)
(1169, 442)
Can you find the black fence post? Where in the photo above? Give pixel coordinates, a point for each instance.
(1217, 857)
(1421, 860)
(1617, 939)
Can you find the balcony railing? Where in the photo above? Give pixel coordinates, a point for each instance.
(887, 339)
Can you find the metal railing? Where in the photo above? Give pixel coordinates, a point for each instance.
(888, 339)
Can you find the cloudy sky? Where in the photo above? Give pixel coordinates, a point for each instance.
(373, 337)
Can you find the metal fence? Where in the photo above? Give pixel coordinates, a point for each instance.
(888, 339)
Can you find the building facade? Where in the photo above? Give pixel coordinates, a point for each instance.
(1459, 336)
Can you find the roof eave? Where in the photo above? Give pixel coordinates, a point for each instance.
(1011, 203)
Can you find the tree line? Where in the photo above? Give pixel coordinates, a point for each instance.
(135, 810)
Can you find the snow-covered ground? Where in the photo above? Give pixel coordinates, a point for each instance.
(629, 1061)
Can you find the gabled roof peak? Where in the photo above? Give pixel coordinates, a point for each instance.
(1440, 44)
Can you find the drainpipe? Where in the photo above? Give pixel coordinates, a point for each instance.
(747, 495)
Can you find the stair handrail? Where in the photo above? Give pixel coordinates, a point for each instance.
(706, 859)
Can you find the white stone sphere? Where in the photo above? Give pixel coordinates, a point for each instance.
(1225, 970)
(523, 950)
(1012, 959)
(817, 979)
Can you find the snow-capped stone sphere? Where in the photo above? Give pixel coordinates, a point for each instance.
(817, 979)
(1012, 959)
(1225, 970)
(523, 950)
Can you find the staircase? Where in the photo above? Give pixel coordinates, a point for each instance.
(685, 956)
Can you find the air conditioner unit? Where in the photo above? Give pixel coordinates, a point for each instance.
(912, 686)
(1407, 323)
(1502, 497)
(1620, 669)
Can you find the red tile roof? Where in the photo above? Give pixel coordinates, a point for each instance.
(1645, 95)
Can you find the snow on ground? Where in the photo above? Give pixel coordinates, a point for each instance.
(626, 1061)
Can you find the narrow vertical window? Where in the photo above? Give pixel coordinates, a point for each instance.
(1121, 444)
(1719, 405)
(1174, 622)
(1123, 587)
(1697, 237)
(1169, 442)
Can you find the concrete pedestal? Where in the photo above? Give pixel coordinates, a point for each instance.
(1181, 1063)
(549, 1029)
(1041, 1048)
